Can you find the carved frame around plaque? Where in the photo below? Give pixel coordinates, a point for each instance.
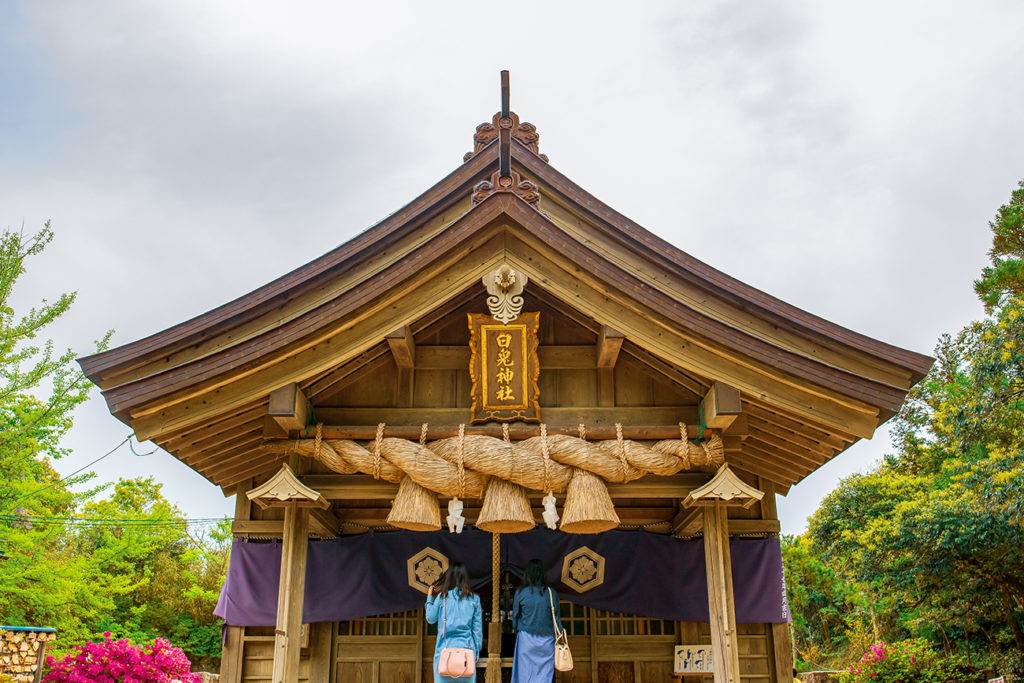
(504, 368)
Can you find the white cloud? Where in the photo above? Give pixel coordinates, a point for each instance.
(845, 158)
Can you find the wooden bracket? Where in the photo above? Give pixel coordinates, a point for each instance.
(722, 406)
(289, 408)
(402, 347)
(687, 522)
(609, 342)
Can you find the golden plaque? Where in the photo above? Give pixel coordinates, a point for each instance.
(504, 368)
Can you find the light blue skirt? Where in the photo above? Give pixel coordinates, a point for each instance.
(534, 661)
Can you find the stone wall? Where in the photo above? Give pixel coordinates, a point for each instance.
(819, 677)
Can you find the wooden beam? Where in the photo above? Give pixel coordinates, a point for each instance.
(403, 348)
(364, 487)
(322, 523)
(722, 406)
(753, 526)
(553, 417)
(377, 516)
(517, 432)
(289, 407)
(350, 486)
(690, 522)
(609, 342)
(551, 357)
(287, 638)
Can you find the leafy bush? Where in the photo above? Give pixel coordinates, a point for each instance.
(908, 661)
(118, 661)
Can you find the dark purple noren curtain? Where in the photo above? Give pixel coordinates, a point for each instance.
(645, 574)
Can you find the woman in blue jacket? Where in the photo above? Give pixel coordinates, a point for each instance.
(455, 608)
(535, 617)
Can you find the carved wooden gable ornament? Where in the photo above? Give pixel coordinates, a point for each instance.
(504, 368)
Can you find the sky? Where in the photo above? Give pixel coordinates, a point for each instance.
(844, 157)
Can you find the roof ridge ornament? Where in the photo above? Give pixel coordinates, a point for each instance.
(506, 120)
(526, 189)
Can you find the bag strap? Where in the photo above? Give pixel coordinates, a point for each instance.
(554, 622)
(444, 620)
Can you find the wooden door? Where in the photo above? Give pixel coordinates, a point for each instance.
(382, 649)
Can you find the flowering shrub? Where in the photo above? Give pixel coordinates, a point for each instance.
(908, 661)
(118, 661)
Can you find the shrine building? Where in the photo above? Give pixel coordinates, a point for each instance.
(506, 368)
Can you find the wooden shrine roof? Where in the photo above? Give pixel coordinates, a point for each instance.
(200, 388)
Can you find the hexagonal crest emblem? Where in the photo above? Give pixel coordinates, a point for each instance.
(425, 568)
(583, 569)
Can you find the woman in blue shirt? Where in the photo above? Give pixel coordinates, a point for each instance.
(532, 617)
(457, 608)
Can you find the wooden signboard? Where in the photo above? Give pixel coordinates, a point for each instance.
(693, 659)
(504, 368)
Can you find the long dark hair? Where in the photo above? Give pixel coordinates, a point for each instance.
(456, 577)
(534, 576)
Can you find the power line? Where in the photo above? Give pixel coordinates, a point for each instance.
(78, 471)
(98, 522)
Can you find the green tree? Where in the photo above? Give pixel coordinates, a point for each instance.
(126, 562)
(1004, 278)
(161, 577)
(39, 390)
(934, 534)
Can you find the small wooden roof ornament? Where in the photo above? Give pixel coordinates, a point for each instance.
(725, 487)
(284, 487)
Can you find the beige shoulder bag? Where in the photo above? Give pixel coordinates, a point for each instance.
(563, 658)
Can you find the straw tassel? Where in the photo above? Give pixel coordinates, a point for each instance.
(588, 507)
(415, 508)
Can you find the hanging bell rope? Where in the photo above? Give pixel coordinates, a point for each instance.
(493, 671)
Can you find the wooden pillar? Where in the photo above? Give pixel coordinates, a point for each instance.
(287, 637)
(724, 643)
(321, 638)
(714, 498)
(285, 490)
(231, 652)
